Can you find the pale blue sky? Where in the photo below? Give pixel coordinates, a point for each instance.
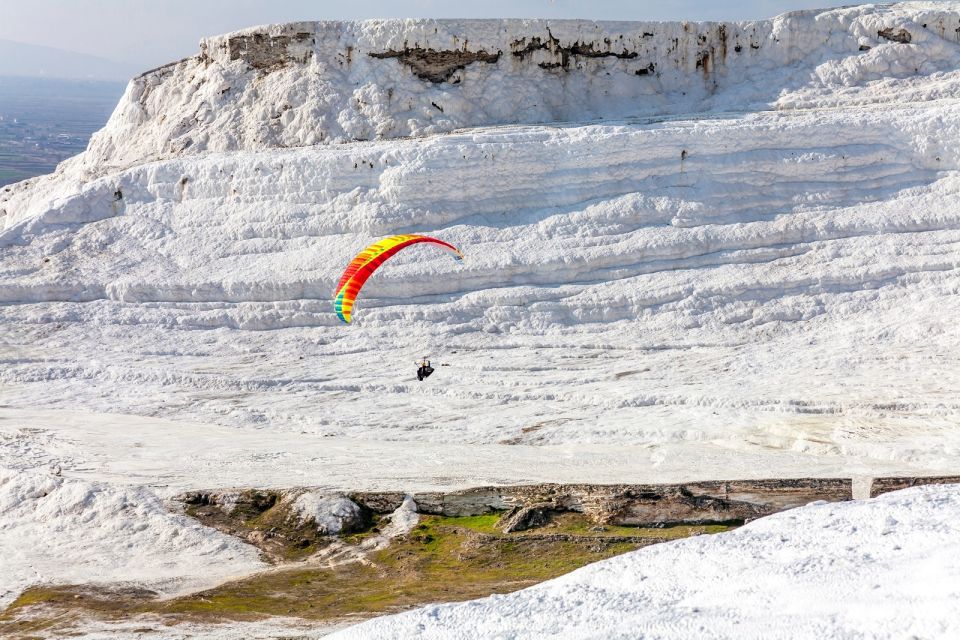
(145, 33)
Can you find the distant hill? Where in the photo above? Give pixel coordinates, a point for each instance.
(19, 59)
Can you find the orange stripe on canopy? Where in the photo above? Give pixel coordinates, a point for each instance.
(368, 260)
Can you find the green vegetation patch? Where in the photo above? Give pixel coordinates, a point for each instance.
(482, 524)
(443, 559)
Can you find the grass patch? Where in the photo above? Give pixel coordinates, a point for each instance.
(481, 524)
(443, 559)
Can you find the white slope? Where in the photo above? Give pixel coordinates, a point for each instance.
(767, 281)
(67, 531)
(172, 456)
(883, 568)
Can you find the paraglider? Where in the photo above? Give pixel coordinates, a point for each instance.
(424, 369)
(368, 260)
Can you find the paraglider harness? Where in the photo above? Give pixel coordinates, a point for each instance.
(425, 370)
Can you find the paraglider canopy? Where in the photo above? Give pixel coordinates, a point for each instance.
(368, 260)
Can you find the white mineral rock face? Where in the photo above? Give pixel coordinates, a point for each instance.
(777, 278)
(310, 83)
(66, 531)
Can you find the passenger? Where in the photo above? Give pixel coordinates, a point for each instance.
(424, 369)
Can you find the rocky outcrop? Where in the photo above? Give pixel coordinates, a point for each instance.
(379, 501)
(285, 525)
(523, 507)
(532, 506)
(526, 517)
(436, 66)
(264, 51)
(624, 504)
(564, 55)
(247, 502)
(901, 36)
(331, 514)
(468, 502)
(886, 485)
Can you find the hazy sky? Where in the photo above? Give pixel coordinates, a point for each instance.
(147, 33)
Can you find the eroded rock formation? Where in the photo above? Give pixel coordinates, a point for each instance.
(623, 504)
(886, 485)
(436, 66)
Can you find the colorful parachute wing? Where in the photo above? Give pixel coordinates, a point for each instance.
(368, 260)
